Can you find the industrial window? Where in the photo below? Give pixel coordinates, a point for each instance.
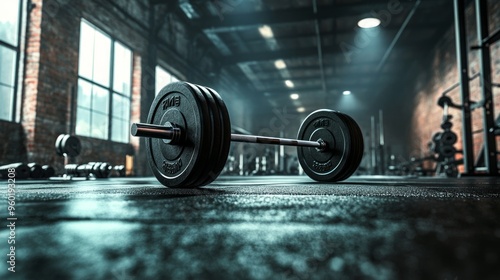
(104, 86)
(163, 78)
(10, 28)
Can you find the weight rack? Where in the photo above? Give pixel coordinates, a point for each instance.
(485, 40)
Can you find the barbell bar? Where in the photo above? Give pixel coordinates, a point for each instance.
(170, 133)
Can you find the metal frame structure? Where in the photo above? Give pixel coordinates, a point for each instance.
(489, 125)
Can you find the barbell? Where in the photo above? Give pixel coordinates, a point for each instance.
(188, 136)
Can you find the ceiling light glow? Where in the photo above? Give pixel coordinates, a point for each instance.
(369, 22)
(289, 84)
(280, 64)
(346, 92)
(294, 96)
(266, 31)
(301, 109)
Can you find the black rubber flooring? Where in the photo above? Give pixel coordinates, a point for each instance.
(256, 228)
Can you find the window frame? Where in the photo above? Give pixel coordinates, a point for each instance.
(17, 49)
(109, 89)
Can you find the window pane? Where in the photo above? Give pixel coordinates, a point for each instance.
(121, 107)
(162, 78)
(84, 93)
(122, 69)
(82, 122)
(117, 106)
(7, 66)
(6, 102)
(99, 125)
(126, 109)
(86, 52)
(102, 58)
(9, 21)
(125, 131)
(120, 130)
(100, 100)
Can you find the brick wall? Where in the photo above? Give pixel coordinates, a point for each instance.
(442, 74)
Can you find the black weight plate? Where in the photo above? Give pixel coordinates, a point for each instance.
(94, 168)
(36, 171)
(444, 100)
(207, 144)
(225, 139)
(331, 164)
(105, 169)
(48, 171)
(360, 147)
(58, 144)
(357, 147)
(213, 144)
(70, 145)
(226, 131)
(176, 165)
(448, 138)
(208, 176)
(447, 151)
(446, 125)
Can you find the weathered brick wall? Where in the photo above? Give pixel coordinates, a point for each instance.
(442, 74)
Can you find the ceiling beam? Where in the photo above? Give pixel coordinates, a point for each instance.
(298, 53)
(241, 21)
(352, 68)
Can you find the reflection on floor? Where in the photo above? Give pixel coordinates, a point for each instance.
(257, 227)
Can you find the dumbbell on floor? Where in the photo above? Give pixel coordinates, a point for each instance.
(98, 169)
(189, 133)
(22, 171)
(30, 170)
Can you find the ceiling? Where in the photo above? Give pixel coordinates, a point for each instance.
(324, 50)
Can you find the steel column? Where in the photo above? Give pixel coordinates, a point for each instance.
(463, 77)
(490, 150)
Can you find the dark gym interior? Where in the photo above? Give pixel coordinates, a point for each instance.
(256, 139)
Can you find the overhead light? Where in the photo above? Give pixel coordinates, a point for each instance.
(301, 109)
(266, 31)
(369, 22)
(294, 96)
(346, 92)
(289, 84)
(280, 64)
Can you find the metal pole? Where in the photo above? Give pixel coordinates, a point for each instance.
(276, 141)
(373, 145)
(463, 76)
(381, 142)
(490, 150)
(171, 132)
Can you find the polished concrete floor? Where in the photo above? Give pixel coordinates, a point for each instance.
(256, 228)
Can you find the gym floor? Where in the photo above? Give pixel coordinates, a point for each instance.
(258, 227)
